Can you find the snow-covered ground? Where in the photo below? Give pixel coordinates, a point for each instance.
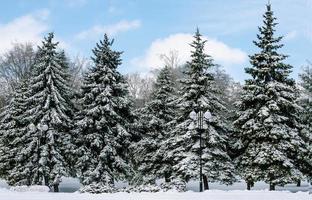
(218, 192)
(190, 195)
(70, 185)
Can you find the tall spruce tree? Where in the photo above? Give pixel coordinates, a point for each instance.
(306, 78)
(47, 141)
(70, 156)
(306, 102)
(268, 118)
(199, 93)
(104, 120)
(154, 126)
(12, 128)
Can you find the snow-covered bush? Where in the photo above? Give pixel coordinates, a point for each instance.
(143, 188)
(97, 188)
(32, 188)
(179, 186)
(176, 185)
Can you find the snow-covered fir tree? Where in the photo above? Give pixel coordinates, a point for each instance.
(305, 101)
(47, 140)
(12, 128)
(306, 78)
(70, 156)
(104, 121)
(153, 125)
(199, 93)
(268, 122)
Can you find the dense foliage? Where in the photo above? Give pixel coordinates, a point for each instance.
(103, 127)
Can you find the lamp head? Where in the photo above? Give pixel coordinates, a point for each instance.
(207, 115)
(193, 115)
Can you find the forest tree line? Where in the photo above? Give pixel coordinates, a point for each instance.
(84, 119)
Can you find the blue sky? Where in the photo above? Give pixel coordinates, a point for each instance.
(145, 29)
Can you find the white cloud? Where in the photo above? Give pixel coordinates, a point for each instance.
(112, 29)
(221, 53)
(27, 28)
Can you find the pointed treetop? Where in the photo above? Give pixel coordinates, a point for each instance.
(197, 36)
(266, 40)
(48, 46)
(49, 38)
(199, 59)
(107, 41)
(103, 52)
(197, 31)
(268, 6)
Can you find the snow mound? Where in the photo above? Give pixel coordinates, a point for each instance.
(97, 188)
(142, 188)
(175, 185)
(33, 188)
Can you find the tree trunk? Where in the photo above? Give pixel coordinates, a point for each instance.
(167, 177)
(272, 186)
(205, 180)
(46, 181)
(56, 188)
(298, 183)
(28, 182)
(248, 185)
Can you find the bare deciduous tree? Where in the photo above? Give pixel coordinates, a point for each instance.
(3, 94)
(140, 88)
(16, 64)
(171, 59)
(229, 89)
(77, 67)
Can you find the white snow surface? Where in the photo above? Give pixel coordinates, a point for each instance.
(32, 188)
(218, 192)
(171, 195)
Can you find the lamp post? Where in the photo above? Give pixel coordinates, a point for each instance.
(198, 118)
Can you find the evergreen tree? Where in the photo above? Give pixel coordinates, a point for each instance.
(70, 156)
(104, 120)
(154, 125)
(306, 78)
(11, 134)
(267, 122)
(306, 102)
(199, 93)
(47, 141)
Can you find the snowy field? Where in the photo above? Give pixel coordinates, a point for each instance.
(190, 195)
(217, 192)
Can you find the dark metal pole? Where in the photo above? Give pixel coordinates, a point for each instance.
(200, 161)
(38, 156)
(200, 129)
